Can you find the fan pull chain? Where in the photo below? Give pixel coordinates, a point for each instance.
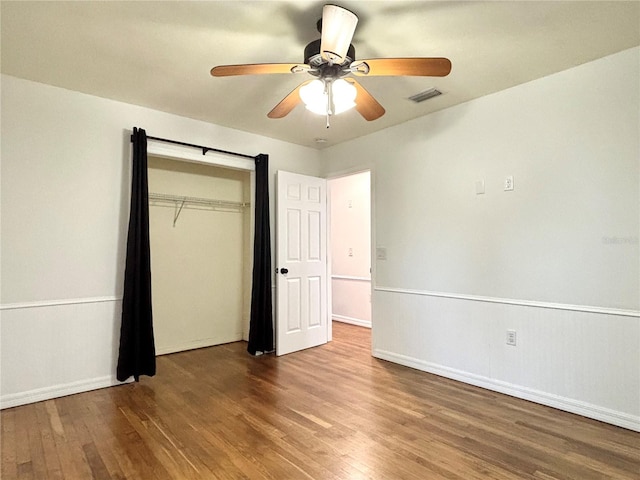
(329, 91)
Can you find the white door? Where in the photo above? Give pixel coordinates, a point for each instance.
(301, 261)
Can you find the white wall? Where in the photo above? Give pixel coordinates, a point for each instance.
(556, 259)
(65, 193)
(350, 218)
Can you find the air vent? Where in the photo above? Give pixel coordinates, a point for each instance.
(426, 95)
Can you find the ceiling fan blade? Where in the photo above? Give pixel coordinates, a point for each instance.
(288, 103)
(421, 67)
(258, 69)
(366, 105)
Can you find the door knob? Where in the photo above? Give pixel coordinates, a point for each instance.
(284, 271)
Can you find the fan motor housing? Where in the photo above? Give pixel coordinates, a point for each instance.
(313, 58)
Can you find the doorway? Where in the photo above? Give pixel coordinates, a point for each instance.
(350, 248)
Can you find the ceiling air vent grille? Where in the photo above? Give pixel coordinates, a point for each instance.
(426, 95)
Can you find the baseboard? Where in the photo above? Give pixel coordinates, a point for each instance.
(55, 391)
(47, 393)
(201, 343)
(595, 412)
(353, 321)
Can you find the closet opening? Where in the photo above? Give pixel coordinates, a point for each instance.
(201, 230)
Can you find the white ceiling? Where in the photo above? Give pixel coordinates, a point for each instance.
(158, 54)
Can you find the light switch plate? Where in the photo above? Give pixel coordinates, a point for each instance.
(381, 253)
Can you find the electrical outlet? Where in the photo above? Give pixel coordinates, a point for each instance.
(381, 253)
(351, 252)
(508, 183)
(511, 337)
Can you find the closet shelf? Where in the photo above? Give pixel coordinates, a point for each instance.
(180, 201)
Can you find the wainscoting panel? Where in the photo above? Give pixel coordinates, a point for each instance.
(579, 361)
(57, 348)
(351, 300)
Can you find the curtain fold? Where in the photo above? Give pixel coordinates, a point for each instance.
(137, 354)
(261, 322)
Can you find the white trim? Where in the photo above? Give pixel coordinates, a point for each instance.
(353, 321)
(200, 343)
(349, 172)
(57, 303)
(156, 148)
(596, 412)
(350, 277)
(509, 301)
(47, 393)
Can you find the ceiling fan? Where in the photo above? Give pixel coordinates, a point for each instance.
(331, 60)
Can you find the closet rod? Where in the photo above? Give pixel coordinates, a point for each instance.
(197, 200)
(179, 201)
(204, 149)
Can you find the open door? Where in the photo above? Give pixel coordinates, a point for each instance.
(301, 259)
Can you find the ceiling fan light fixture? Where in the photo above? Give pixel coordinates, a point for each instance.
(338, 27)
(329, 59)
(344, 95)
(315, 96)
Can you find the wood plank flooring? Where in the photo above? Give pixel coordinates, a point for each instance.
(332, 412)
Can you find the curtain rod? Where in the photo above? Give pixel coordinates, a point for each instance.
(204, 149)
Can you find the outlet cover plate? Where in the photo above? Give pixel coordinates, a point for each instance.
(508, 183)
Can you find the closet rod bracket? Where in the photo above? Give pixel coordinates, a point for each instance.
(178, 210)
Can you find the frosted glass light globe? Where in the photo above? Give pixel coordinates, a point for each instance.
(344, 96)
(314, 95)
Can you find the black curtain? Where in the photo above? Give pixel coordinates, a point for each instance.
(137, 349)
(261, 323)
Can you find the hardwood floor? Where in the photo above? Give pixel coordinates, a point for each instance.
(332, 412)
